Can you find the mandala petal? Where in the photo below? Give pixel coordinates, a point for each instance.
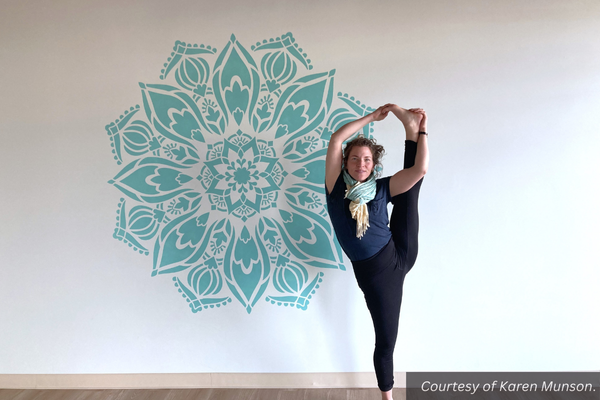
(236, 83)
(206, 278)
(144, 222)
(313, 172)
(289, 276)
(308, 197)
(308, 240)
(308, 200)
(247, 268)
(172, 113)
(183, 51)
(301, 299)
(182, 154)
(192, 74)
(198, 303)
(138, 139)
(303, 105)
(278, 69)
(305, 148)
(262, 113)
(181, 243)
(124, 232)
(152, 180)
(288, 43)
(115, 131)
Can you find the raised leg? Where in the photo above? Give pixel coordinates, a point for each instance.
(404, 221)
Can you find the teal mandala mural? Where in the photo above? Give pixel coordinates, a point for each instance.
(223, 170)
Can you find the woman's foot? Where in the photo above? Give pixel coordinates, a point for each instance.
(386, 395)
(411, 119)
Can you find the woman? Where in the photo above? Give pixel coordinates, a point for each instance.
(381, 254)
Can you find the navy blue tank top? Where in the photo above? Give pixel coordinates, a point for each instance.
(377, 235)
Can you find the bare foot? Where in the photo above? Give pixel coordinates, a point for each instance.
(386, 395)
(410, 119)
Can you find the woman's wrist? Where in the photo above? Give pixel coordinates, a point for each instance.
(370, 117)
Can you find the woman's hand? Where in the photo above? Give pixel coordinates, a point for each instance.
(393, 108)
(380, 113)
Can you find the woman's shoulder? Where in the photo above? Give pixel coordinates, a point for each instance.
(383, 188)
(383, 182)
(338, 187)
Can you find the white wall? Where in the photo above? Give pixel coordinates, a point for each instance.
(507, 276)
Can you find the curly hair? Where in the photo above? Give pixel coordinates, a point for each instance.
(376, 149)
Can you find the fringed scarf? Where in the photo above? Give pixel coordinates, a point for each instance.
(360, 193)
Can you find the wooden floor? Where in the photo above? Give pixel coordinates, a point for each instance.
(198, 394)
(259, 394)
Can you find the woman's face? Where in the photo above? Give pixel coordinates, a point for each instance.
(360, 163)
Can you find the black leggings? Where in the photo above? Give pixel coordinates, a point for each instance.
(381, 276)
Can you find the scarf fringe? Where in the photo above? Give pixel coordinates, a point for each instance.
(360, 213)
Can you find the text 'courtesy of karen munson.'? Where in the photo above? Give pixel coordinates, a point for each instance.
(506, 386)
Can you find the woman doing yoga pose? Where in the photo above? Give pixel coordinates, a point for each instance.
(382, 251)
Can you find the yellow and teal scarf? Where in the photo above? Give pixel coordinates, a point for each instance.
(360, 193)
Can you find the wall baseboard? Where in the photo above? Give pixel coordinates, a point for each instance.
(195, 380)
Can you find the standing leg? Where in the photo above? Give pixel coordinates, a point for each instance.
(381, 279)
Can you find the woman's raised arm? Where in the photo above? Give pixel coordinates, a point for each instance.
(333, 160)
